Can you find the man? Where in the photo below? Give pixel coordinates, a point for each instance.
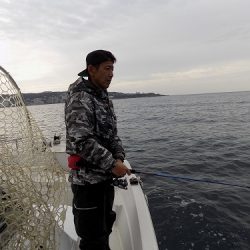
(95, 150)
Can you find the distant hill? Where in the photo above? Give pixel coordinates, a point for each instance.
(49, 97)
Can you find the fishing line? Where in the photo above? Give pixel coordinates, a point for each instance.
(175, 177)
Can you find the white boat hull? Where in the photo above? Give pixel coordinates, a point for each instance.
(133, 228)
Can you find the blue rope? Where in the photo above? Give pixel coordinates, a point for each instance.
(189, 178)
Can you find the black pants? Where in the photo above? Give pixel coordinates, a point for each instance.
(93, 215)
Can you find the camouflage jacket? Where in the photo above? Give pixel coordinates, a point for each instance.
(91, 132)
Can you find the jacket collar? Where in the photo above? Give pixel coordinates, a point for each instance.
(89, 87)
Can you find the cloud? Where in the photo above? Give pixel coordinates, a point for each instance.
(45, 42)
(209, 78)
(237, 67)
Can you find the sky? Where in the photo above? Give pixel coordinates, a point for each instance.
(170, 47)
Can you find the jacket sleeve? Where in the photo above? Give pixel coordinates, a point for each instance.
(116, 143)
(80, 123)
(117, 148)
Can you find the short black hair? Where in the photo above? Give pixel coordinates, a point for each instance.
(97, 57)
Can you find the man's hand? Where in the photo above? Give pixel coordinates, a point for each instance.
(119, 170)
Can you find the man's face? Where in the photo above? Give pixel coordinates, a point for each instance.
(102, 75)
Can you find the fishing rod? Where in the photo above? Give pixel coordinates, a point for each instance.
(175, 177)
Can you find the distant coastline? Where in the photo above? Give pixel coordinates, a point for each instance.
(49, 97)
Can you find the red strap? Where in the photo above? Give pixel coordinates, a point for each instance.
(72, 162)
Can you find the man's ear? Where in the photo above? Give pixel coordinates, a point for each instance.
(91, 69)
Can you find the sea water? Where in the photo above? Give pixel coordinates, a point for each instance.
(197, 136)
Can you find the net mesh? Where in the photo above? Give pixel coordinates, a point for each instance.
(32, 184)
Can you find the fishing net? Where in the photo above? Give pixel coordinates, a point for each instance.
(32, 184)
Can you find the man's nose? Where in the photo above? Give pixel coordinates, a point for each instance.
(111, 73)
